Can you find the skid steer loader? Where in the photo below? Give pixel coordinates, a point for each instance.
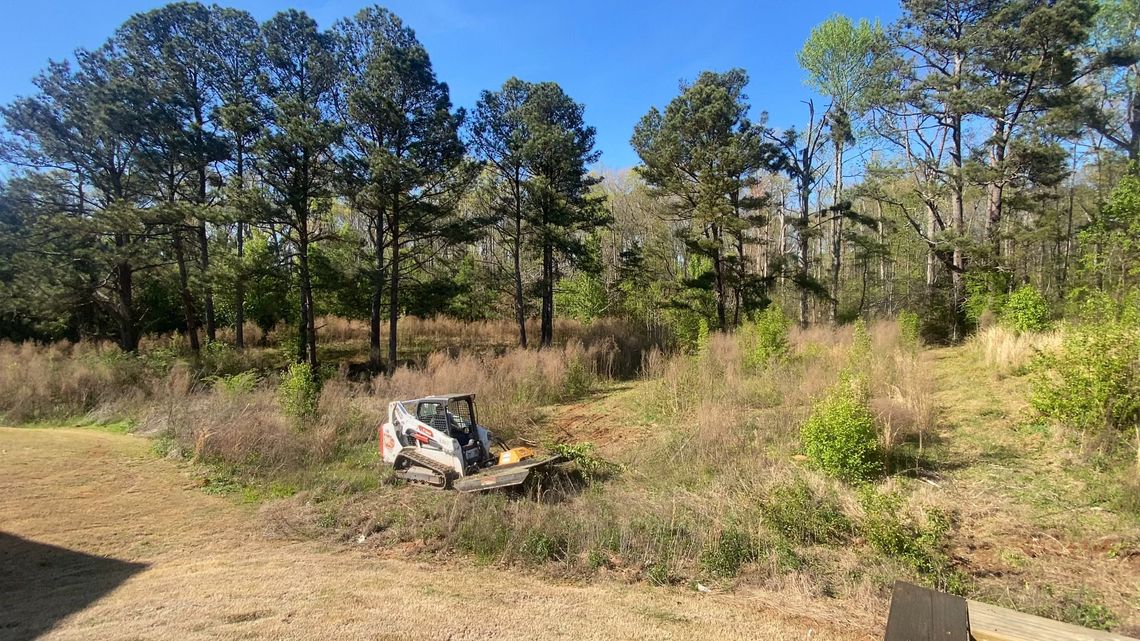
(436, 441)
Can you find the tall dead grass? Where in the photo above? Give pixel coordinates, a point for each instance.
(1007, 352)
(66, 380)
(511, 389)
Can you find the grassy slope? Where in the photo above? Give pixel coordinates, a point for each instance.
(1038, 530)
(108, 542)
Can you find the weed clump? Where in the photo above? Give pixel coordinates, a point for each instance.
(910, 330)
(801, 516)
(300, 393)
(769, 337)
(921, 546)
(726, 554)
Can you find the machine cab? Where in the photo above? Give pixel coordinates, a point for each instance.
(452, 415)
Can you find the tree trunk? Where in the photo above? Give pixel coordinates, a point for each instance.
(378, 282)
(836, 237)
(547, 332)
(718, 271)
(520, 301)
(239, 286)
(803, 241)
(307, 350)
(884, 283)
(994, 193)
(184, 290)
(124, 285)
(394, 289)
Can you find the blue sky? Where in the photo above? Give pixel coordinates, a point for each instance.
(617, 57)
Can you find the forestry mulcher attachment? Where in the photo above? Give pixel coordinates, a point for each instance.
(436, 441)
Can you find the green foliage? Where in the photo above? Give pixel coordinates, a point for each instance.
(1112, 240)
(910, 330)
(1089, 614)
(300, 393)
(839, 57)
(581, 297)
(839, 438)
(1025, 310)
(803, 517)
(1093, 382)
(540, 546)
(236, 384)
(724, 555)
(922, 546)
(769, 337)
(701, 344)
(985, 294)
(584, 455)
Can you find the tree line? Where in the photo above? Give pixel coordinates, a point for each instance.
(201, 170)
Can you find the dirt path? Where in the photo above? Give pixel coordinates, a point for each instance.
(99, 540)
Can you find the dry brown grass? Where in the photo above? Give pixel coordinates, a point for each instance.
(204, 570)
(1007, 352)
(65, 380)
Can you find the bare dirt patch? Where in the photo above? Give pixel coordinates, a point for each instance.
(100, 540)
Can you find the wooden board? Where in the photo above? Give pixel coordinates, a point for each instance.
(991, 623)
(918, 614)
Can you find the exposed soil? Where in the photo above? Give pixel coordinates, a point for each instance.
(100, 540)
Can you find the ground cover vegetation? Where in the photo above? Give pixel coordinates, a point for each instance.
(899, 340)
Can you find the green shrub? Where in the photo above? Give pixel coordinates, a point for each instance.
(861, 350)
(1093, 382)
(300, 393)
(922, 546)
(582, 297)
(728, 552)
(910, 330)
(769, 334)
(702, 339)
(235, 385)
(839, 437)
(799, 515)
(1026, 310)
(579, 378)
(985, 294)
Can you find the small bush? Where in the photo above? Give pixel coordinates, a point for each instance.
(922, 546)
(236, 385)
(910, 330)
(702, 339)
(300, 393)
(728, 552)
(1093, 382)
(839, 438)
(769, 336)
(1026, 310)
(801, 516)
(579, 379)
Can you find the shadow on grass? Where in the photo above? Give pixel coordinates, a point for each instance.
(40, 584)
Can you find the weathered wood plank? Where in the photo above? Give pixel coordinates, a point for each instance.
(991, 623)
(918, 614)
